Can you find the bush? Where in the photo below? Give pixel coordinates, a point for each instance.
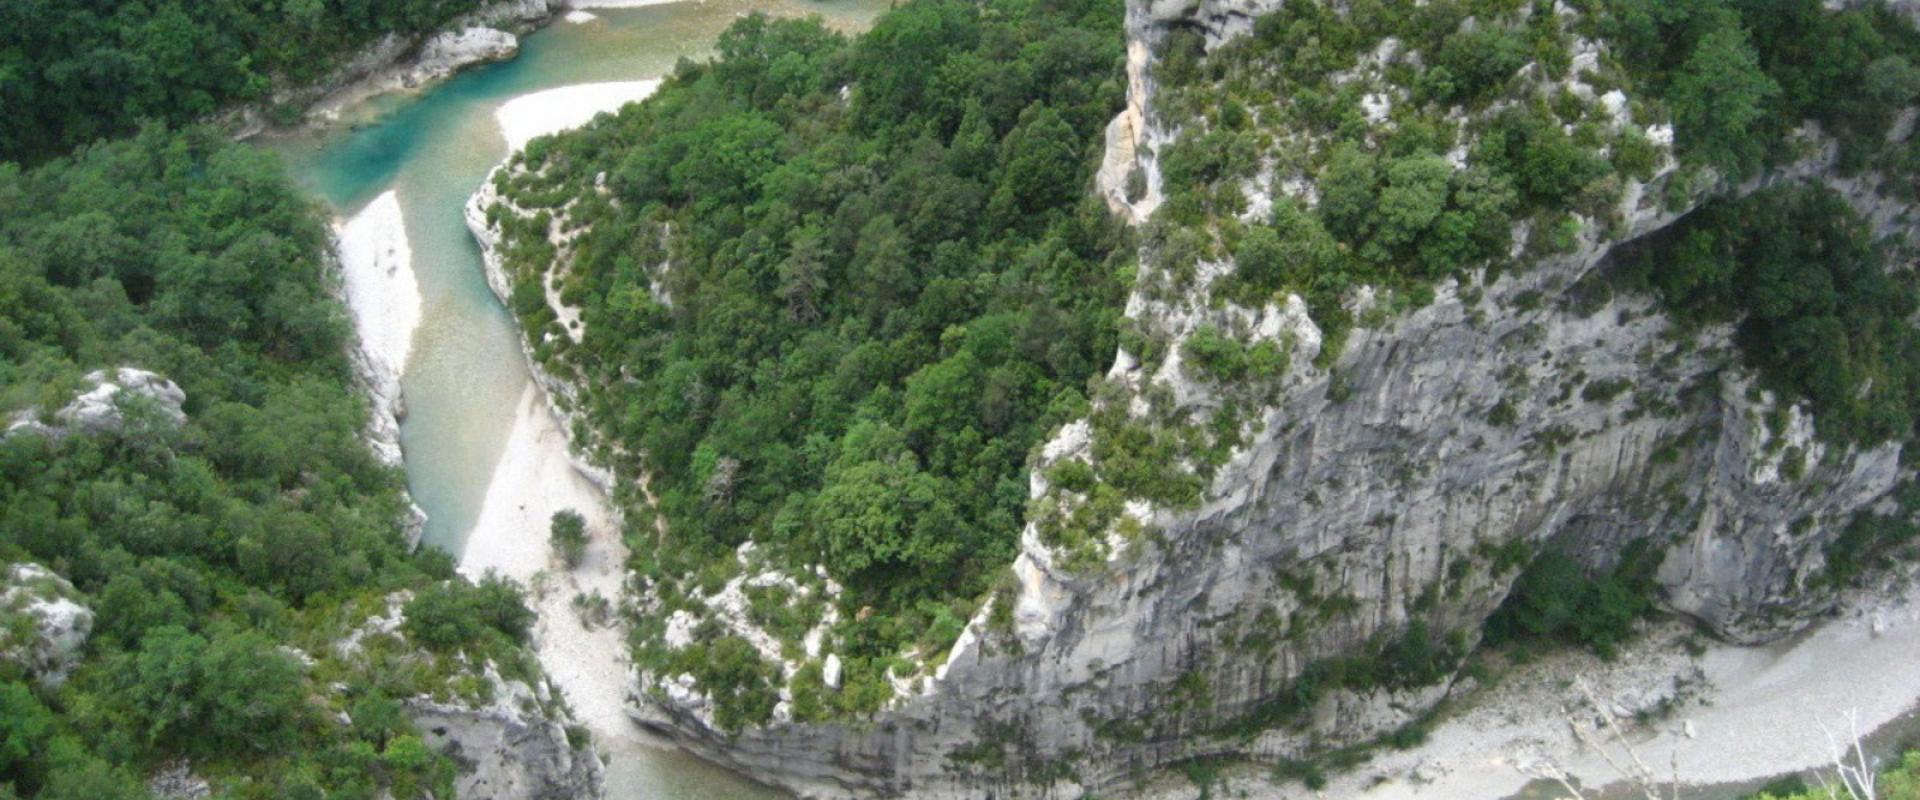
(1477, 62)
(1556, 598)
(235, 692)
(741, 683)
(457, 614)
(568, 533)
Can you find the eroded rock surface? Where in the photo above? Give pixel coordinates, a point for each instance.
(511, 740)
(43, 624)
(105, 406)
(1369, 493)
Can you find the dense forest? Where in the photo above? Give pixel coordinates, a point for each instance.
(873, 303)
(73, 71)
(224, 555)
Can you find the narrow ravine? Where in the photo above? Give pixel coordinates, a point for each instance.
(484, 455)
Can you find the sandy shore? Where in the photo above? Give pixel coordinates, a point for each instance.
(533, 480)
(1757, 714)
(536, 477)
(529, 116)
(382, 295)
(1761, 713)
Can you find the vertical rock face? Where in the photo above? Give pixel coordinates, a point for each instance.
(1532, 411)
(509, 750)
(511, 740)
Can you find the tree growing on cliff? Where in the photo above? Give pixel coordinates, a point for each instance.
(1718, 96)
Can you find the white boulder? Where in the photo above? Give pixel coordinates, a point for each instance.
(43, 626)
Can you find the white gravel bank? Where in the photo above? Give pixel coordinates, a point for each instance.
(537, 114)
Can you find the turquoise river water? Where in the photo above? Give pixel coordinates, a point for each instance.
(466, 373)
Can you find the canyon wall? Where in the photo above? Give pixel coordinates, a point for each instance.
(1370, 494)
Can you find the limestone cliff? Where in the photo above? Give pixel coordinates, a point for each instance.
(1367, 493)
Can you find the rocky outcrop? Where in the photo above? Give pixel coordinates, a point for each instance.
(396, 62)
(511, 738)
(509, 749)
(105, 406)
(176, 781)
(43, 625)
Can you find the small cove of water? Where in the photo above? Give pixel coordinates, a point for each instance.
(466, 373)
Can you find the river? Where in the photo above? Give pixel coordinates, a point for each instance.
(465, 382)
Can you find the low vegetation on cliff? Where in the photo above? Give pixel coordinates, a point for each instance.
(1359, 156)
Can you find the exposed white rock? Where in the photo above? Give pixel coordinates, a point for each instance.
(513, 746)
(448, 51)
(509, 749)
(1376, 107)
(680, 628)
(176, 780)
(830, 673)
(104, 406)
(43, 626)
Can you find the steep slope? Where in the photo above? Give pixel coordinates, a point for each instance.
(1294, 505)
(209, 568)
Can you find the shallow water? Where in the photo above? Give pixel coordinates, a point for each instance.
(466, 373)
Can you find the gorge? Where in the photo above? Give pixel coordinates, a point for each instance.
(958, 398)
(1362, 499)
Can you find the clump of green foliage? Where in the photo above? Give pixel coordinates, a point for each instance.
(1733, 76)
(740, 682)
(1555, 598)
(73, 71)
(1739, 75)
(878, 304)
(1868, 539)
(1407, 659)
(568, 532)
(204, 549)
(1818, 315)
(1899, 780)
(455, 614)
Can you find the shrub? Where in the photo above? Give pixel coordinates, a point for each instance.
(1556, 598)
(568, 532)
(456, 614)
